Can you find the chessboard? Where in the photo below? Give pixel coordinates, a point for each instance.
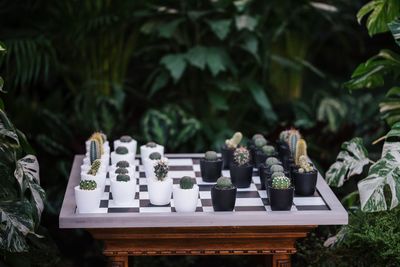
(251, 199)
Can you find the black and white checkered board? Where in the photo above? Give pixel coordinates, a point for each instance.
(247, 199)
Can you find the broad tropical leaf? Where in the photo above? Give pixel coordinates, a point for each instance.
(394, 27)
(333, 111)
(220, 28)
(176, 64)
(390, 106)
(350, 161)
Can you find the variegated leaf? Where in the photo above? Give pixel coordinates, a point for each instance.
(350, 161)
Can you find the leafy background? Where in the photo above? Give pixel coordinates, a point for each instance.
(186, 74)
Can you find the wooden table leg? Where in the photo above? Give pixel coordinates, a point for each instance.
(281, 260)
(118, 261)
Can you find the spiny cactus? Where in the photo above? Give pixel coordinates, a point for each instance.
(234, 141)
(87, 185)
(304, 165)
(122, 164)
(294, 136)
(99, 134)
(281, 182)
(99, 138)
(260, 142)
(276, 174)
(211, 156)
(94, 151)
(284, 135)
(155, 156)
(94, 168)
(272, 161)
(121, 150)
(301, 150)
(241, 156)
(224, 183)
(186, 182)
(256, 136)
(161, 170)
(151, 144)
(268, 150)
(123, 178)
(276, 168)
(121, 171)
(125, 139)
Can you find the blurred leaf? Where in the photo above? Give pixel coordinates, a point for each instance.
(260, 97)
(250, 44)
(226, 86)
(390, 106)
(197, 56)
(394, 27)
(220, 27)
(218, 100)
(333, 111)
(304, 115)
(1, 85)
(245, 22)
(175, 63)
(166, 30)
(216, 60)
(159, 82)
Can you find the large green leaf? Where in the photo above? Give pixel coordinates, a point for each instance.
(333, 111)
(390, 106)
(394, 27)
(350, 161)
(220, 28)
(217, 60)
(7, 130)
(175, 63)
(197, 56)
(261, 98)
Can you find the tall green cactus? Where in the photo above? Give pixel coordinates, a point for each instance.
(294, 136)
(95, 152)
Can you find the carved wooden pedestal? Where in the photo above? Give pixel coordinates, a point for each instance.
(278, 241)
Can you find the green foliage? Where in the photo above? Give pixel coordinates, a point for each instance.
(122, 164)
(155, 156)
(87, 185)
(121, 150)
(123, 178)
(224, 183)
(161, 170)
(186, 182)
(281, 182)
(241, 156)
(211, 156)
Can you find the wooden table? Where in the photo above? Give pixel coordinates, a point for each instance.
(201, 233)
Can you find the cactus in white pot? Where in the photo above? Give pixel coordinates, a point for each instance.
(87, 196)
(186, 195)
(150, 147)
(123, 189)
(160, 185)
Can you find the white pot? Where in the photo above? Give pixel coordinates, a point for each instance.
(131, 173)
(146, 151)
(99, 178)
(148, 165)
(123, 192)
(185, 200)
(118, 157)
(87, 201)
(106, 146)
(131, 146)
(159, 191)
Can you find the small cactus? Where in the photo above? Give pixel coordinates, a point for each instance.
(123, 178)
(301, 150)
(284, 135)
(256, 136)
(304, 165)
(121, 171)
(151, 144)
(260, 142)
(94, 152)
(161, 170)
(211, 156)
(121, 150)
(241, 156)
(186, 182)
(281, 182)
(97, 135)
(268, 150)
(234, 141)
(293, 137)
(272, 161)
(87, 185)
(155, 156)
(276, 168)
(125, 139)
(122, 164)
(275, 174)
(224, 183)
(99, 138)
(94, 168)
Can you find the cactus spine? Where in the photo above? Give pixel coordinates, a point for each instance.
(87, 185)
(304, 165)
(186, 182)
(94, 151)
(211, 156)
(161, 170)
(294, 136)
(241, 156)
(224, 183)
(301, 150)
(280, 182)
(234, 141)
(94, 168)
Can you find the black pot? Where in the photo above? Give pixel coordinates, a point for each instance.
(287, 163)
(259, 158)
(223, 199)
(281, 199)
(252, 149)
(283, 149)
(227, 157)
(210, 170)
(241, 175)
(304, 183)
(262, 172)
(268, 178)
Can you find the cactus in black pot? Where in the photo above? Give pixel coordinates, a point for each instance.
(281, 193)
(228, 148)
(210, 167)
(241, 170)
(223, 195)
(304, 175)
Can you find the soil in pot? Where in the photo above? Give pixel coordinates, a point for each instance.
(227, 157)
(280, 199)
(210, 170)
(223, 199)
(241, 176)
(304, 183)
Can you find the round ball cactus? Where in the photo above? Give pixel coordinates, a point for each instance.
(260, 142)
(123, 178)
(121, 171)
(186, 182)
(121, 150)
(211, 156)
(256, 136)
(281, 182)
(276, 168)
(161, 170)
(151, 144)
(268, 150)
(272, 161)
(275, 174)
(241, 156)
(87, 185)
(125, 139)
(122, 164)
(155, 156)
(224, 183)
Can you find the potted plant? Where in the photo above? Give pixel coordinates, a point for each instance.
(101, 138)
(281, 193)
(210, 167)
(121, 153)
(264, 169)
(160, 185)
(149, 163)
(241, 170)
(150, 147)
(186, 195)
(223, 195)
(261, 155)
(122, 165)
(228, 148)
(123, 189)
(251, 145)
(87, 196)
(93, 174)
(96, 151)
(304, 175)
(128, 142)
